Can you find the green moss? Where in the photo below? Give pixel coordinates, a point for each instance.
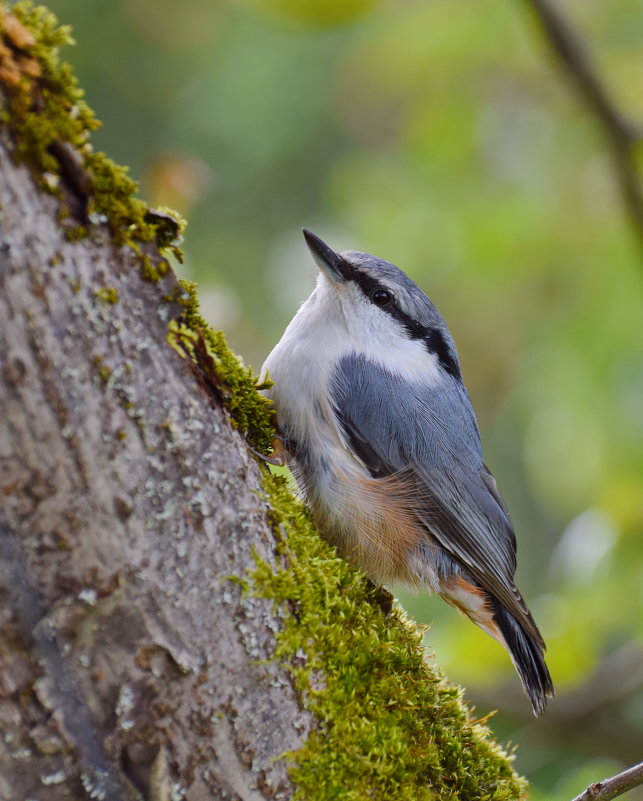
(74, 233)
(107, 294)
(225, 375)
(152, 271)
(104, 372)
(52, 124)
(390, 726)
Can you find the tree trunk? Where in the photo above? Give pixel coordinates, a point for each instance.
(147, 585)
(128, 501)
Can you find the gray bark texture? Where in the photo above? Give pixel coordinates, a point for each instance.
(131, 665)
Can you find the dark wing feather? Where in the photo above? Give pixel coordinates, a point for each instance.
(429, 432)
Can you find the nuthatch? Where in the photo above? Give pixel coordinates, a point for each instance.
(378, 429)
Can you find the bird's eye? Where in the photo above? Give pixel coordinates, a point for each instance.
(381, 297)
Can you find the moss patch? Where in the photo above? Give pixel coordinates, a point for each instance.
(222, 372)
(51, 124)
(107, 294)
(390, 726)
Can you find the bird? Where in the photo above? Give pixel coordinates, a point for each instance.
(377, 427)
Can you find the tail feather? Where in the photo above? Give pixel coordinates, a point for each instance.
(527, 655)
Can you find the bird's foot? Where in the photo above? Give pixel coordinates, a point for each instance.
(381, 597)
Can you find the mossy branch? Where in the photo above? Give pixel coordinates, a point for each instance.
(389, 724)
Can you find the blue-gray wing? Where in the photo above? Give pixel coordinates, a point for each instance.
(429, 432)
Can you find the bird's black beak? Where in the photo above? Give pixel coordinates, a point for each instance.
(331, 263)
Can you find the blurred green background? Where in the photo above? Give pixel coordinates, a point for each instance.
(440, 136)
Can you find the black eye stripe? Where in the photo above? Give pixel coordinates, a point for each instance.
(433, 338)
(436, 343)
(370, 286)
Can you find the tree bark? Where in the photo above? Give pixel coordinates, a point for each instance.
(128, 656)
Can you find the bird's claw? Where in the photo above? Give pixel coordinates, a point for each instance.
(278, 457)
(382, 598)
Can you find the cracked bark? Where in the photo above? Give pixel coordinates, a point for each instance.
(130, 665)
